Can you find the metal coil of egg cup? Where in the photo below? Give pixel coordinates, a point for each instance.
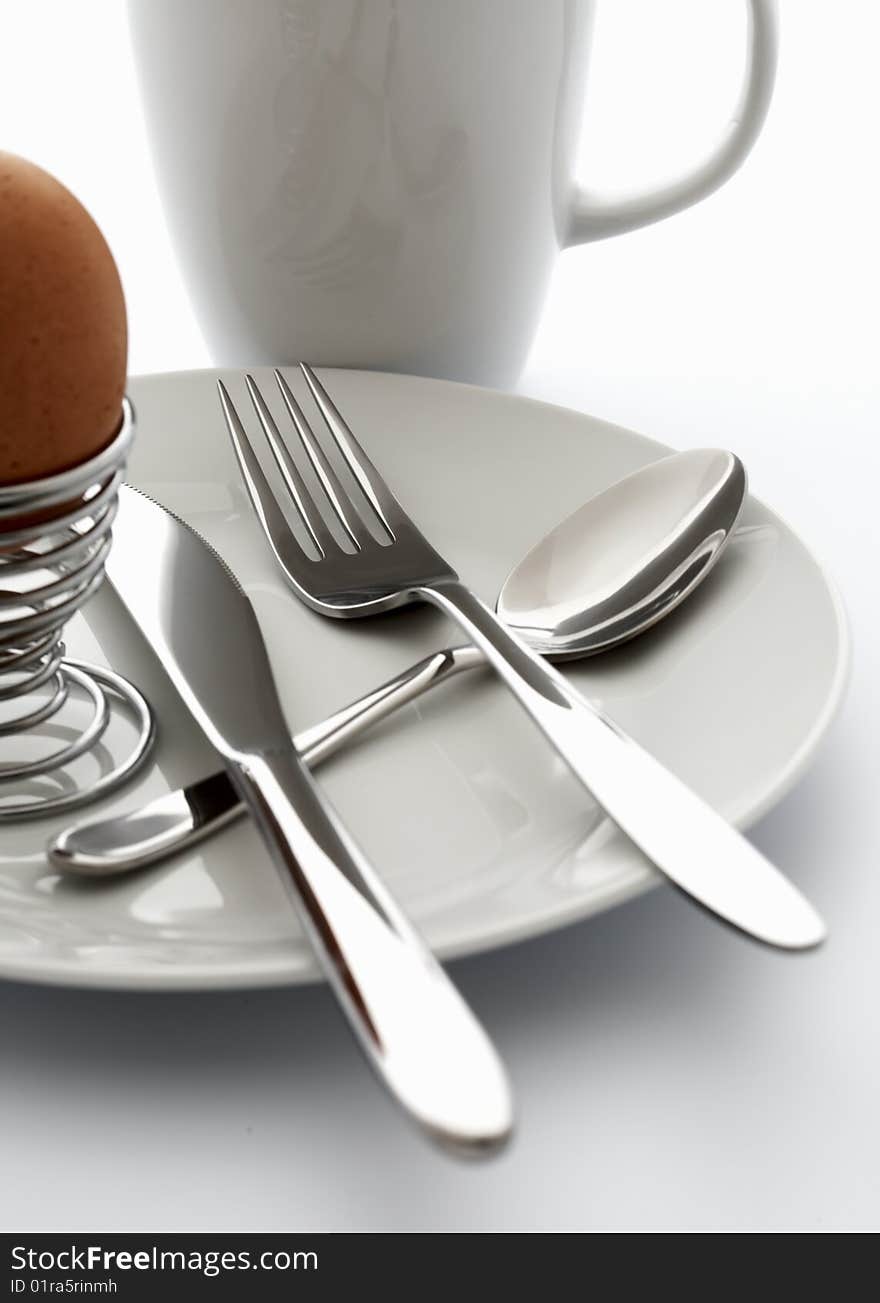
(55, 534)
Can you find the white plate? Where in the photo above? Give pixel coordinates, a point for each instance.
(479, 830)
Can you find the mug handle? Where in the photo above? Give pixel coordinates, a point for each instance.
(595, 218)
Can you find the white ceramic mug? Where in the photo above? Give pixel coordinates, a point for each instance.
(387, 183)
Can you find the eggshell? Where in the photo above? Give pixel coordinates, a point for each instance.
(63, 336)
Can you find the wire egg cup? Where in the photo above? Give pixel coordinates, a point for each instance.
(55, 534)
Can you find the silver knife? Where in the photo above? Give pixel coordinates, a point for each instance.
(417, 1031)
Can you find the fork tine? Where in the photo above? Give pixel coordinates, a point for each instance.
(305, 504)
(260, 492)
(330, 482)
(373, 486)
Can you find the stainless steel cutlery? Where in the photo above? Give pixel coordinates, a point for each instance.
(423, 1041)
(348, 549)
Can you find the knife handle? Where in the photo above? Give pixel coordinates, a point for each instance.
(417, 1031)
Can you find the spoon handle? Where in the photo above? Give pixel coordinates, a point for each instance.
(178, 820)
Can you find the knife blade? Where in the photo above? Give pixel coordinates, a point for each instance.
(418, 1033)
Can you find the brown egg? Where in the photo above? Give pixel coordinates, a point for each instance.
(63, 336)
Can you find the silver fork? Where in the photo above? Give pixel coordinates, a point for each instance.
(683, 836)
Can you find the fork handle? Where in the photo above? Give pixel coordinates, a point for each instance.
(417, 1031)
(679, 832)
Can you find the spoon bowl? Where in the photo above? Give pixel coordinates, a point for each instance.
(627, 557)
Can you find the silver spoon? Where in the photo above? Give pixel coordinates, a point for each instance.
(612, 569)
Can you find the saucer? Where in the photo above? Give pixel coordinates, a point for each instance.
(478, 828)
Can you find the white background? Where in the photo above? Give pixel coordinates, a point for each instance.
(670, 1075)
